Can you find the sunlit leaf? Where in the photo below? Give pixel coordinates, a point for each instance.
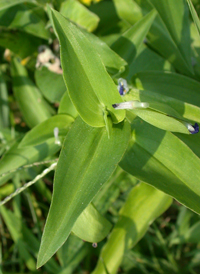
(162, 160)
(45, 130)
(91, 89)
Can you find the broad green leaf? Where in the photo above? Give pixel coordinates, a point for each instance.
(143, 206)
(21, 43)
(161, 120)
(66, 106)
(194, 15)
(4, 108)
(87, 160)
(30, 101)
(128, 44)
(160, 38)
(161, 106)
(27, 17)
(50, 84)
(179, 92)
(45, 130)
(193, 142)
(91, 89)
(176, 19)
(170, 34)
(146, 60)
(91, 226)
(112, 61)
(162, 160)
(128, 10)
(16, 157)
(78, 13)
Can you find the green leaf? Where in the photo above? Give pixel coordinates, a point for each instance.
(112, 61)
(177, 91)
(110, 25)
(16, 157)
(87, 160)
(5, 4)
(91, 226)
(128, 10)
(21, 43)
(128, 44)
(45, 130)
(66, 106)
(91, 89)
(27, 17)
(146, 60)
(50, 84)
(172, 40)
(193, 142)
(143, 205)
(162, 160)
(78, 13)
(194, 15)
(30, 101)
(4, 108)
(161, 121)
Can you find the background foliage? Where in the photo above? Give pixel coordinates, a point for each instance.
(116, 171)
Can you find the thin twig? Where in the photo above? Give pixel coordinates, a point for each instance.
(27, 166)
(19, 190)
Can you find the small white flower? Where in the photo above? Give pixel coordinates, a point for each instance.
(131, 105)
(56, 132)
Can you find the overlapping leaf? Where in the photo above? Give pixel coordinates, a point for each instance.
(45, 130)
(79, 14)
(127, 45)
(67, 107)
(50, 84)
(85, 76)
(144, 204)
(91, 226)
(179, 92)
(162, 160)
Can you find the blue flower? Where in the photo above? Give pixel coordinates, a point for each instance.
(122, 86)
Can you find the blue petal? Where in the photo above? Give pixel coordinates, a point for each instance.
(196, 129)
